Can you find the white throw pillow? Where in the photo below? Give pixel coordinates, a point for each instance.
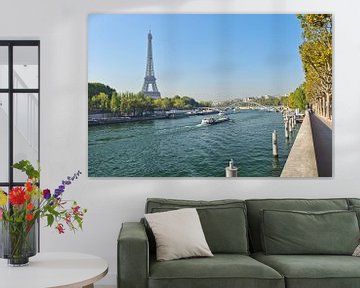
(178, 234)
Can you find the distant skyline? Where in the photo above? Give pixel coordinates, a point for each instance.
(204, 56)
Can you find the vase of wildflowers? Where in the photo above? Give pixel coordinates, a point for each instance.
(18, 242)
(22, 207)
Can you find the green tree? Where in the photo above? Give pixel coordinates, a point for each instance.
(100, 102)
(125, 103)
(178, 102)
(190, 103)
(96, 88)
(316, 56)
(205, 103)
(297, 99)
(115, 103)
(158, 103)
(166, 103)
(133, 104)
(104, 101)
(149, 105)
(284, 100)
(136, 104)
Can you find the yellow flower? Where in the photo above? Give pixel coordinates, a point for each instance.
(3, 198)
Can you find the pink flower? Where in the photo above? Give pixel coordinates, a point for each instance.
(68, 219)
(76, 210)
(1, 212)
(60, 228)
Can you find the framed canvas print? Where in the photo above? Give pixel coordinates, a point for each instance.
(210, 95)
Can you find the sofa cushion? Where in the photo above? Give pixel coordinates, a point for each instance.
(178, 234)
(353, 201)
(223, 221)
(222, 270)
(356, 209)
(354, 205)
(254, 207)
(313, 271)
(297, 232)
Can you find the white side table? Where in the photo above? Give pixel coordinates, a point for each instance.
(50, 270)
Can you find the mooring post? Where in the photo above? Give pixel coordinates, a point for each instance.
(275, 144)
(293, 121)
(231, 170)
(290, 125)
(286, 128)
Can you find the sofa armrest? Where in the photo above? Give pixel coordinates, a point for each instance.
(133, 256)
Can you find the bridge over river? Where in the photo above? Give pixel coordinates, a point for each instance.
(253, 106)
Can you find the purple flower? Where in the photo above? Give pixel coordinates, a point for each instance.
(68, 181)
(46, 194)
(58, 192)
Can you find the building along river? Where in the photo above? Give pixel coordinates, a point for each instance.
(183, 148)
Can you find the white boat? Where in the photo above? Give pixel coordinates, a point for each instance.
(213, 121)
(207, 112)
(177, 114)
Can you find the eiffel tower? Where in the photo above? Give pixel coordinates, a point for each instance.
(150, 74)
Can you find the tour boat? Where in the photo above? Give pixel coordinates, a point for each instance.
(213, 121)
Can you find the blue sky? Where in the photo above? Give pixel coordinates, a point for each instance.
(204, 56)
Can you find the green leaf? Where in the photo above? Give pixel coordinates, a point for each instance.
(52, 211)
(50, 219)
(26, 167)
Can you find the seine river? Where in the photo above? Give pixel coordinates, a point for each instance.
(183, 148)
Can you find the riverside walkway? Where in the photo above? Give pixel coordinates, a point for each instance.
(311, 154)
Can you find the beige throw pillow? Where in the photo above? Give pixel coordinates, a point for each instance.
(357, 251)
(178, 234)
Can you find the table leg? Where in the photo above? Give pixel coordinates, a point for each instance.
(89, 286)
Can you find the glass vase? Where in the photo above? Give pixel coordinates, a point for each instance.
(18, 242)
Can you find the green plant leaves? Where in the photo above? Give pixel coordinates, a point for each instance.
(26, 167)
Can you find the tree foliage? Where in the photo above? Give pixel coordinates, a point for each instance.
(96, 88)
(115, 103)
(100, 102)
(316, 56)
(268, 101)
(297, 99)
(136, 104)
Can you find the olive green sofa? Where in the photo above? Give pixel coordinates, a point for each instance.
(234, 230)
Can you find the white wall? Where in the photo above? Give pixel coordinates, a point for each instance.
(61, 25)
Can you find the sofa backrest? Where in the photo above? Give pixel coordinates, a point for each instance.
(223, 221)
(354, 205)
(353, 202)
(256, 205)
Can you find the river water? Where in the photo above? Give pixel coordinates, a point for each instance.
(183, 148)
